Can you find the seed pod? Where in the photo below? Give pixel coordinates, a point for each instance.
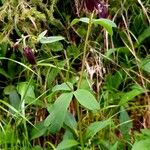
(28, 53)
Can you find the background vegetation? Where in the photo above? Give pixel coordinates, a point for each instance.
(72, 80)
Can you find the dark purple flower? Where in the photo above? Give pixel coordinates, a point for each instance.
(98, 5)
(90, 4)
(28, 53)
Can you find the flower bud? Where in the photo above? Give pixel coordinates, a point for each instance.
(99, 6)
(28, 53)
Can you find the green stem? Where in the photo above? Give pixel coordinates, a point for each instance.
(61, 74)
(80, 80)
(85, 50)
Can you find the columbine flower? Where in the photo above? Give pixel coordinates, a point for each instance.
(98, 5)
(28, 53)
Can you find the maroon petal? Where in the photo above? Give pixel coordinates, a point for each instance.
(102, 10)
(98, 5)
(90, 4)
(29, 55)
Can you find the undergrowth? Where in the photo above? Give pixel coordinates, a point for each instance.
(73, 76)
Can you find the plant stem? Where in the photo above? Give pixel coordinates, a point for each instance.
(79, 113)
(85, 50)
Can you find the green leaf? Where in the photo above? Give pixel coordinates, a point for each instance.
(73, 51)
(145, 132)
(56, 46)
(126, 123)
(41, 35)
(123, 50)
(114, 147)
(106, 23)
(4, 73)
(54, 72)
(74, 21)
(95, 127)
(8, 89)
(37, 147)
(14, 100)
(63, 87)
(113, 81)
(68, 135)
(86, 99)
(51, 39)
(38, 130)
(110, 52)
(70, 121)
(145, 65)
(144, 35)
(142, 145)
(85, 83)
(26, 91)
(9, 136)
(67, 144)
(83, 19)
(58, 113)
(130, 95)
(70, 125)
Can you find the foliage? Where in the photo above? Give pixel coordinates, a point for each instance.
(71, 80)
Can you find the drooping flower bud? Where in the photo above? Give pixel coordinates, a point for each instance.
(98, 5)
(90, 4)
(28, 53)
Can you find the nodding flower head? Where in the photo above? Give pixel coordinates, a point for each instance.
(28, 53)
(98, 5)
